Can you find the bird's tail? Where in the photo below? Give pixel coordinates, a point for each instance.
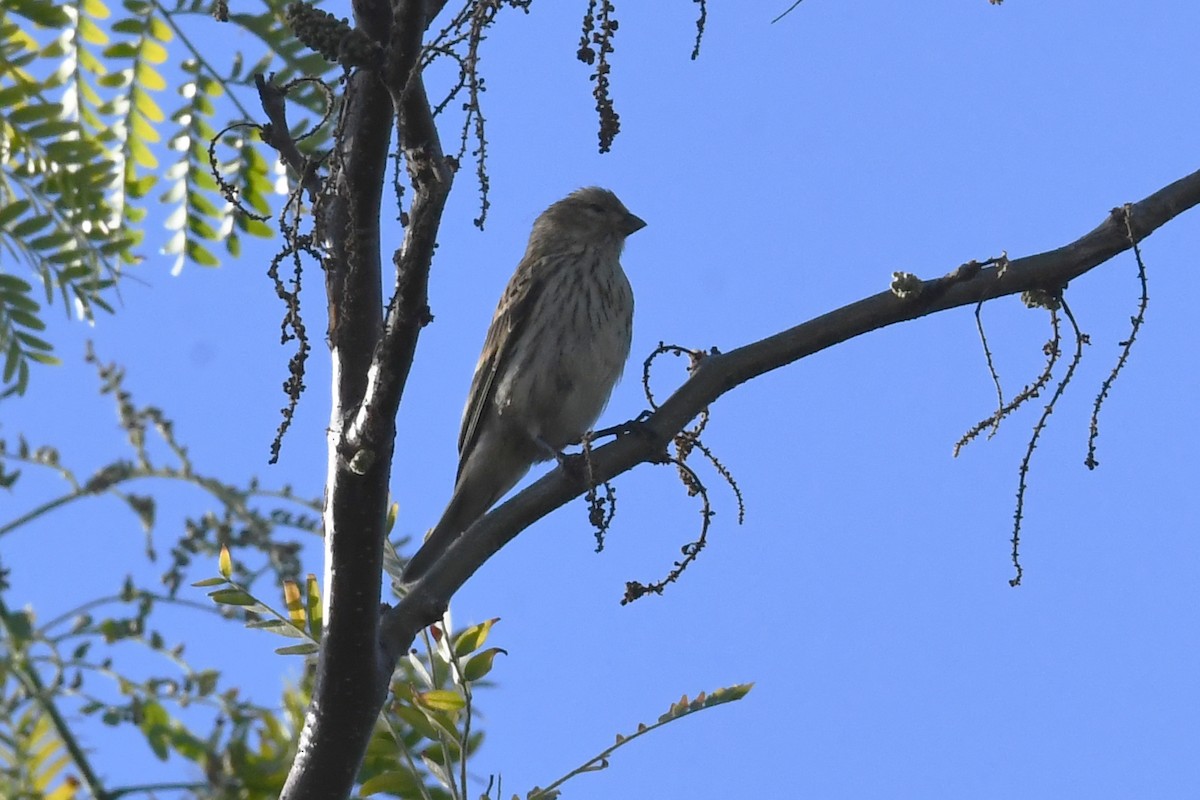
(457, 517)
(486, 477)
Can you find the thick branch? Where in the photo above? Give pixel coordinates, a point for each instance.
(351, 684)
(408, 310)
(719, 374)
(371, 360)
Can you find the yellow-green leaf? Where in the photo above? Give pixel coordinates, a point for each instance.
(95, 8)
(160, 30)
(153, 52)
(312, 597)
(291, 600)
(150, 78)
(442, 700)
(92, 33)
(473, 637)
(69, 790)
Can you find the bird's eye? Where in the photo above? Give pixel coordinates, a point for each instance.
(599, 209)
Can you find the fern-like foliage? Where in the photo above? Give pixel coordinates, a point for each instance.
(31, 758)
(105, 112)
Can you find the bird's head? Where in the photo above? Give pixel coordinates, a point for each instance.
(590, 213)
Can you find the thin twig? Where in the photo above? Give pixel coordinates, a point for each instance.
(1127, 345)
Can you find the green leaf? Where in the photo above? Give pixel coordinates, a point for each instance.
(113, 80)
(120, 49)
(49, 15)
(399, 783)
(29, 226)
(232, 597)
(12, 362)
(418, 722)
(277, 626)
(156, 726)
(19, 627)
(26, 320)
(306, 649)
(51, 129)
(29, 340)
(481, 664)
(11, 211)
(51, 241)
(11, 283)
(129, 25)
(201, 255)
(44, 358)
(35, 112)
(20, 301)
(11, 95)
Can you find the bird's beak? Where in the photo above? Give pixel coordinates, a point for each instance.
(633, 224)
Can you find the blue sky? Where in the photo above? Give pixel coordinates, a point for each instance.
(788, 171)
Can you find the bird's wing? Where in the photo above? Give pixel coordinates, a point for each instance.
(520, 296)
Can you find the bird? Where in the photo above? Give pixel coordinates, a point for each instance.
(554, 351)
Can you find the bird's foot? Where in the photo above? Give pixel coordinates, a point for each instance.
(575, 465)
(636, 426)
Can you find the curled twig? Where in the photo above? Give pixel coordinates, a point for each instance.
(1028, 393)
(1127, 345)
(228, 190)
(635, 589)
(1053, 351)
(991, 365)
(686, 441)
(601, 510)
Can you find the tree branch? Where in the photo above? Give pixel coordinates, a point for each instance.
(718, 374)
(371, 360)
(351, 684)
(431, 175)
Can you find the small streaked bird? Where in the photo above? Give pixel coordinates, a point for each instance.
(556, 348)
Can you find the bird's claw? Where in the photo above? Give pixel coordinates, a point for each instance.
(636, 426)
(574, 464)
